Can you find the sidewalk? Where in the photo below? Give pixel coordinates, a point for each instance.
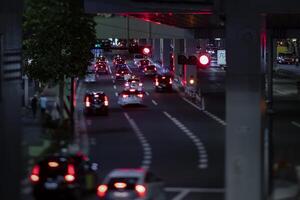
(291, 71)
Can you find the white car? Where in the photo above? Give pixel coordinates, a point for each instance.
(133, 83)
(90, 77)
(131, 184)
(131, 97)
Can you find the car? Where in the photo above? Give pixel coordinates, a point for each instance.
(133, 184)
(163, 82)
(133, 83)
(144, 63)
(121, 74)
(131, 97)
(287, 58)
(101, 67)
(95, 103)
(137, 58)
(118, 60)
(63, 176)
(101, 59)
(150, 70)
(90, 77)
(121, 66)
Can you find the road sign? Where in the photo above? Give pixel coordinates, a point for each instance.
(221, 57)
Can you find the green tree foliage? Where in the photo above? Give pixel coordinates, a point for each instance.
(58, 37)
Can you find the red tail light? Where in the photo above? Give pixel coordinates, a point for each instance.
(105, 101)
(156, 82)
(70, 177)
(141, 190)
(126, 84)
(101, 190)
(140, 84)
(145, 69)
(87, 102)
(34, 177)
(155, 69)
(140, 95)
(170, 81)
(125, 95)
(117, 74)
(132, 90)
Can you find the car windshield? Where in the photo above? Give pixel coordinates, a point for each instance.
(138, 56)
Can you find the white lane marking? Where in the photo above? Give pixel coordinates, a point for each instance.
(214, 117)
(154, 102)
(113, 81)
(192, 104)
(147, 93)
(116, 94)
(112, 77)
(196, 140)
(147, 153)
(109, 69)
(196, 190)
(181, 195)
(296, 124)
(115, 87)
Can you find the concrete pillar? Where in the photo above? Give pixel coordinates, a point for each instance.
(245, 103)
(156, 49)
(178, 45)
(165, 47)
(10, 99)
(190, 46)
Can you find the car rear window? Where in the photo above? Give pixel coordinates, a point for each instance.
(138, 56)
(130, 183)
(53, 168)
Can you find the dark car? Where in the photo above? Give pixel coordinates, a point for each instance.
(150, 70)
(121, 73)
(101, 67)
(143, 63)
(96, 103)
(163, 82)
(287, 58)
(101, 59)
(63, 177)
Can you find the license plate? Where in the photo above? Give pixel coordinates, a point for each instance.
(97, 106)
(51, 186)
(121, 194)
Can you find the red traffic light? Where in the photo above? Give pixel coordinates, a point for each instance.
(146, 50)
(204, 59)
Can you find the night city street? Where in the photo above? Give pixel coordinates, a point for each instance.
(149, 100)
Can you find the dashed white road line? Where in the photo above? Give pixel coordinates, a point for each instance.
(202, 153)
(109, 69)
(147, 93)
(115, 87)
(116, 94)
(147, 157)
(113, 81)
(183, 192)
(296, 124)
(112, 77)
(214, 117)
(154, 102)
